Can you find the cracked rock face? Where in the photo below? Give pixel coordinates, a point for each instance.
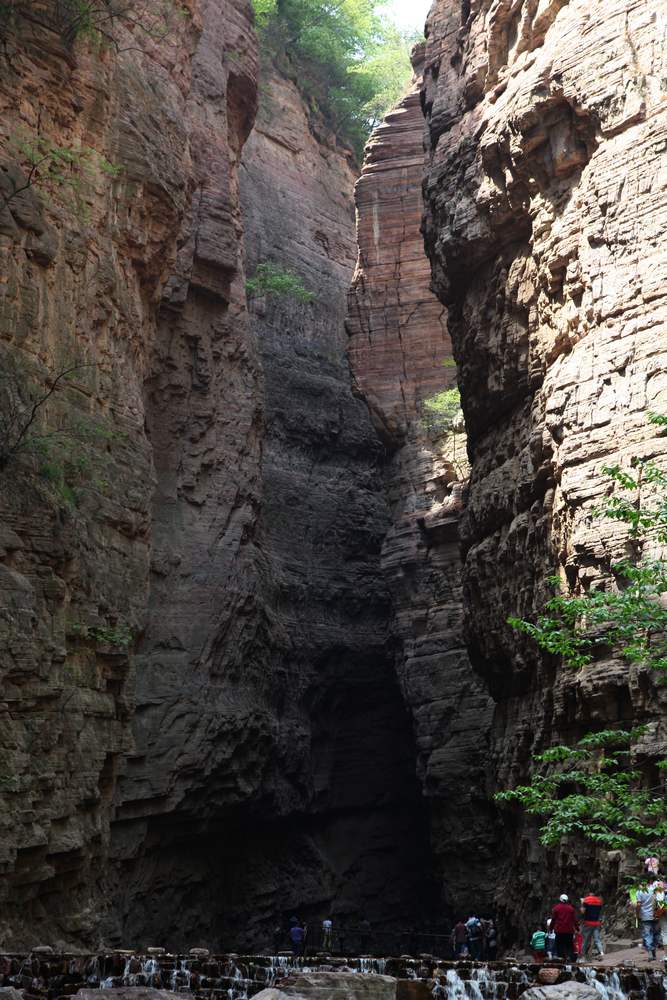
(137, 273)
(545, 209)
(401, 354)
(248, 752)
(347, 754)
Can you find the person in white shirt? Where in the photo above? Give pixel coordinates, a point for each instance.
(646, 911)
(327, 934)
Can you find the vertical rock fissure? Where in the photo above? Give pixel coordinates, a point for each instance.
(401, 356)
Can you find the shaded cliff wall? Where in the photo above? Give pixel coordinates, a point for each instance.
(545, 208)
(352, 823)
(400, 352)
(247, 752)
(138, 276)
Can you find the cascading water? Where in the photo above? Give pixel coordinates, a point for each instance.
(371, 966)
(181, 976)
(240, 977)
(609, 987)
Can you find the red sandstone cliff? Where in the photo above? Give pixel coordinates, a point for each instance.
(545, 209)
(249, 748)
(399, 352)
(139, 277)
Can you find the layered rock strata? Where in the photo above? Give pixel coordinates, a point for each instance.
(348, 754)
(203, 729)
(401, 355)
(126, 549)
(545, 208)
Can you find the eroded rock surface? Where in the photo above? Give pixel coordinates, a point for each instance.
(134, 270)
(545, 208)
(348, 754)
(401, 355)
(202, 725)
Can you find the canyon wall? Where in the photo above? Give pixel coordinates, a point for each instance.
(546, 200)
(353, 827)
(401, 356)
(86, 259)
(203, 731)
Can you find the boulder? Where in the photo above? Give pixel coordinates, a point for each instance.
(562, 991)
(9, 993)
(332, 986)
(127, 993)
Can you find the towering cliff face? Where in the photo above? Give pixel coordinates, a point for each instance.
(545, 208)
(353, 833)
(202, 725)
(146, 500)
(401, 355)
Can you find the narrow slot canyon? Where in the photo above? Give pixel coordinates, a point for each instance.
(294, 445)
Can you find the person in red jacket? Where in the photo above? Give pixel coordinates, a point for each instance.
(591, 911)
(565, 924)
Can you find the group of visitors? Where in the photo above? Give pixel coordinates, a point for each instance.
(570, 934)
(300, 936)
(475, 937)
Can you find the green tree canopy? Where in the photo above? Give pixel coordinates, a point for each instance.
(349, 61)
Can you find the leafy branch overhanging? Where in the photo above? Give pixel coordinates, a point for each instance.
(629, 617)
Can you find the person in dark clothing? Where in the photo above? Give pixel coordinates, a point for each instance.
(491, 941)
(297, 935)
(460, 939)
(565, 924)
(365, 934)
(277, 939)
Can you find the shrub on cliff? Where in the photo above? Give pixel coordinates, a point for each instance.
(442, 411)
(593, 791)
(44, 432)
(56, 172)
(628, 616)
(350, 63)
(272, 279)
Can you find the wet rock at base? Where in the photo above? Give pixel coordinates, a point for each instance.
(333, 986)
(9, 993)
(562, 991)
(126, 993)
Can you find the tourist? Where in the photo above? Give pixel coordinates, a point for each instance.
(297, 935)
(365, 933)
(660, 913)
(327, 933)
(565, 925)
(474, 929)
(460, 939)
(591, 909)
(277, 938)
(652, 865)
(646, 907)
(491, 941)
(551, 939)
(538, 945)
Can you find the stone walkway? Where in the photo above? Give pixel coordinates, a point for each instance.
(632, 954)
